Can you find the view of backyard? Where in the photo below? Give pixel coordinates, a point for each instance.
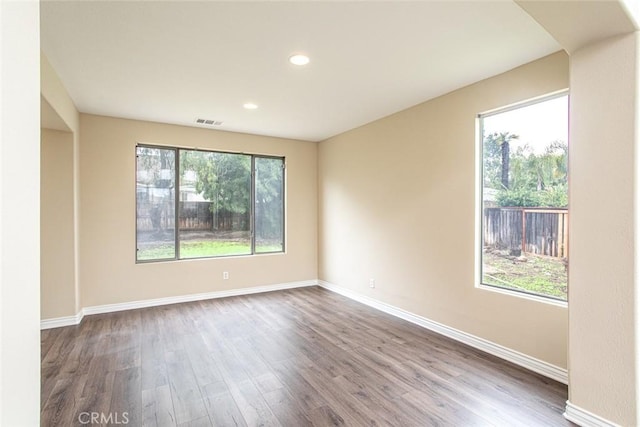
(525, 198)
(534, 274)
(202, 244)
(214, 204)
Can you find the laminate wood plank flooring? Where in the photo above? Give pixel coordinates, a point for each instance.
(300, 357)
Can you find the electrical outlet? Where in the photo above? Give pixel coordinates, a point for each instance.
(225, 275)
(372, 283)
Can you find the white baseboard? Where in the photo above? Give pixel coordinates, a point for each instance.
(110, 308)
(584, 418)
(531, 363)
(572, 413)
(513, 356)
(58, 322)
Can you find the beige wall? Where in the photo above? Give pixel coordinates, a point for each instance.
(397, 203)
(603, 193)
(60, 293)
(52, 89)
(109, 273)
(56, 225)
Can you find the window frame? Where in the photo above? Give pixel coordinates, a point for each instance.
(479, 211)
(252, 230)
(253, 203)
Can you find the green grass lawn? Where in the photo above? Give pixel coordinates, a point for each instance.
(538, 275)
(207, 248)
(202, 248)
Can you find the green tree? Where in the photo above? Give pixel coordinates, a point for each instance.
(537, 179)
(555, 196)
(224, 179)
(269, 197)
(156, 174)
(497, 157)
(521, 196)
(156, 166)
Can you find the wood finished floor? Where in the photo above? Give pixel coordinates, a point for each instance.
(291, 358)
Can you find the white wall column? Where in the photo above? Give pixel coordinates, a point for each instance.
(19, 213)
(604, 206)
(604, 294)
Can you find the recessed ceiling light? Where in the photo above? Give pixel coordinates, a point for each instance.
(299, 59)
(250, 106)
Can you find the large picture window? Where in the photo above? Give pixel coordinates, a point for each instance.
(524, 193)
(196, 204)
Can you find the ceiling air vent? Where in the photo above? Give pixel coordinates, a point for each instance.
(208, 122)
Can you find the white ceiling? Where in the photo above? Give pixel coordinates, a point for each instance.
(177, 61)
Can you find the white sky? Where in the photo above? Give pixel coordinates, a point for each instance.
(537, 125)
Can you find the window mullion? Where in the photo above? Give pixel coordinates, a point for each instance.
(252, 220)
(176, 228)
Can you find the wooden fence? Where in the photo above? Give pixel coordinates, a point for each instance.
(195, 216)
(192, 216)
(542, 231)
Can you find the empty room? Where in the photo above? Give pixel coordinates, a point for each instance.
(319, 213)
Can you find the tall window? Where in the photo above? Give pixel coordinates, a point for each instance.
(269, 204)
(223, 204)
(525, 210)
(155, 196)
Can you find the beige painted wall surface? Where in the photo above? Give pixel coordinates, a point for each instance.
(52, 89)
(109, 273)
(397, 203)
(62, 107)
(57, 285)
(603, 162)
